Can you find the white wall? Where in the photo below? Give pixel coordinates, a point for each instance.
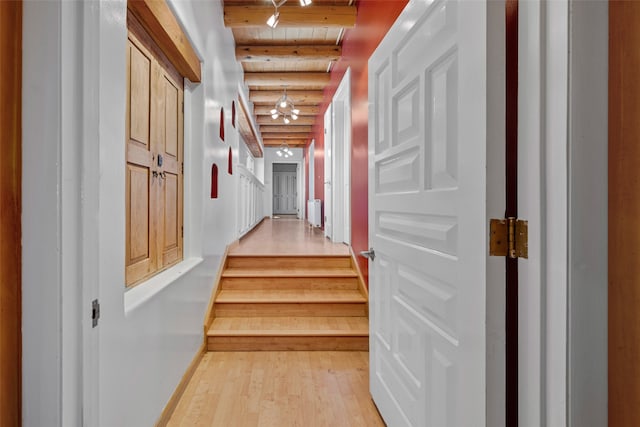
(123, 372)
(270, 157)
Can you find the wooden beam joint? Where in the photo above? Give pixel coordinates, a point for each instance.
(159, 21)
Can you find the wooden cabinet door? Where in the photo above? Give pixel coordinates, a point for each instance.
(141, 258)
(154, 132)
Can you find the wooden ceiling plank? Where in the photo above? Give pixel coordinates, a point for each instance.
(290, 142)
(289, 80)
(290, 128)
(278, 53)
(302, 120)
(284, 136)
(291, 16)
(298, 97)
(306, 110)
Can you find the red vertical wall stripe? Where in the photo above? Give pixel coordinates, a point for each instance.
(374, 19)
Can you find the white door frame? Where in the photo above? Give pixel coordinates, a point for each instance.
(328, 184)
(299, 185)
(563, 194)
(311, 157)
(341, 161)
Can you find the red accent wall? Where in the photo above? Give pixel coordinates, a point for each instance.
(374, 19)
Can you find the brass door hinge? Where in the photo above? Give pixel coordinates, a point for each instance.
(509, 237)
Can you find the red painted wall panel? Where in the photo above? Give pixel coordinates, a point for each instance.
(374, 19)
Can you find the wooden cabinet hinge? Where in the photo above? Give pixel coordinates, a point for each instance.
(509, 237)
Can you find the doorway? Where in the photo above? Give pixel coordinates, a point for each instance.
(285, 189)
(338, 164)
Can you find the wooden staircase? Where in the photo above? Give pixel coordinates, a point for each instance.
(302, 302)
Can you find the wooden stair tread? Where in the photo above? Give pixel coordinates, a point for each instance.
(285, 256)
(290, 296)
(289, 272)
(289, 326)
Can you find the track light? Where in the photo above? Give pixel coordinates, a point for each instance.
(275, 18)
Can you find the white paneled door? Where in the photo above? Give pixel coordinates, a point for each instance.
(428, 125)
(284, 193)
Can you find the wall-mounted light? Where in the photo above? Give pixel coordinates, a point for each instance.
(275, 18)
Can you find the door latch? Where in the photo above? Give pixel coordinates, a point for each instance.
(371, 254)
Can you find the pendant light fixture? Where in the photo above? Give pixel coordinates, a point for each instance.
(284, 151)
(275, 18)
(284, 107)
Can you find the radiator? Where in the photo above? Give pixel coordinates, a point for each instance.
(314, 214)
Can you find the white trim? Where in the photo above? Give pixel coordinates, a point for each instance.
(587, 371)
(138, 295)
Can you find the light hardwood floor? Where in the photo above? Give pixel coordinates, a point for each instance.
(281, 388)
(287, 236)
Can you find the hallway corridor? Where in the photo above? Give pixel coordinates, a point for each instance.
(280, 388)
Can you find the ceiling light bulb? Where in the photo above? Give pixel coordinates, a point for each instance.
(305, 3)
(279, 153)
(295, 111)
(286, 121)
(273, 20)
(294, 116)
(283, 103)
(274, 116)
(274, 111)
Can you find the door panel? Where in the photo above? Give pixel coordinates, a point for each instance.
(428, 222)
(170, 182)
(141, 245)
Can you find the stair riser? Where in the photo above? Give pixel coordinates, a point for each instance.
(289, 309)
(311, 343)
(287, 283)
(288, 262)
